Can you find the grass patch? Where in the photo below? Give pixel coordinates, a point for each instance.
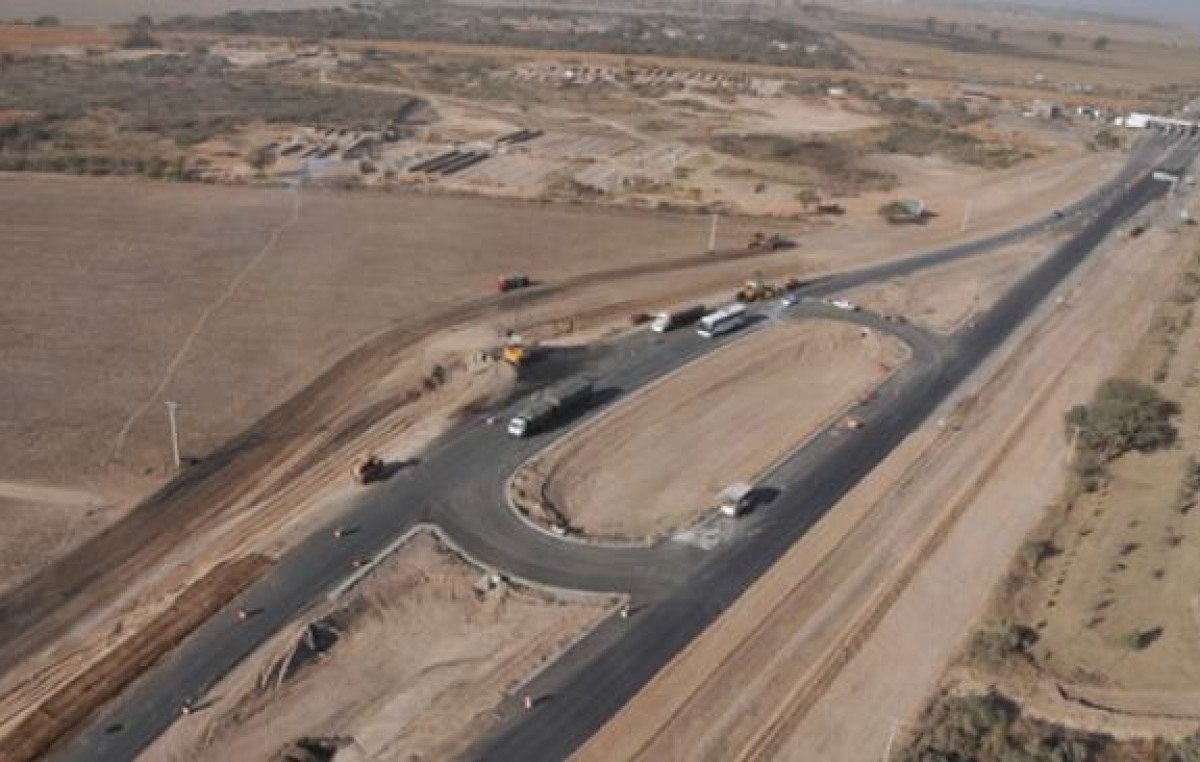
(750, 40)
(913, 138)
(835, 161)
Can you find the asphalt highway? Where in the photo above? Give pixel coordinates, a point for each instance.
(679, 588)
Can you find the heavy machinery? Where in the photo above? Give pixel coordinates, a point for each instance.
(666, 321)
(512, 282)
(544, 408)
(515, 355)
(756, 290)
(369, 469)
(515, 351)
(762, 242)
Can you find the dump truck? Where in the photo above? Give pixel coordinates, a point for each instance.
(666, 321)
(512, 282)
(548, 406)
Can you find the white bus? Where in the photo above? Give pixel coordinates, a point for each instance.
(722, 321)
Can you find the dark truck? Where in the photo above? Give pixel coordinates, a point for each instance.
(666, 321)
(547, 406)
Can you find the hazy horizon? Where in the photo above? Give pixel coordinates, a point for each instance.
(115, 11)
(1166, 10)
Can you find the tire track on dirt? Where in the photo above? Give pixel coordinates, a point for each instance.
(202, 321)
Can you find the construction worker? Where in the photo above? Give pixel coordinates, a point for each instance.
(528, 702)
(340, 532)
(243, 615)
(625, 611)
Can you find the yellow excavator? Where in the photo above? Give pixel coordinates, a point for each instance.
(756, 290)
(515, 355)
(515, 352)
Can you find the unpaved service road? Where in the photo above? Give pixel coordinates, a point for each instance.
(663, 457)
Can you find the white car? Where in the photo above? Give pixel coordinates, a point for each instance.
(789, 300)
(843, 304)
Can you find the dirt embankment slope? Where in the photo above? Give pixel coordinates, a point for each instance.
(661, 459)
(406, 667)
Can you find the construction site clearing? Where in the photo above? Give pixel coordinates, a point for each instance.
(408, 665)
(592, 304)
(383, 301)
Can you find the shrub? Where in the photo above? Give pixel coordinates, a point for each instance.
(140, 38)
(993, 646)
(1124, 415)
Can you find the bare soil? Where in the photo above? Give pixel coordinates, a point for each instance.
(1127, 554)
(421, 662)
(258, 338)
(661, 459)
(886, 587)
(946, 298)
(260, 289)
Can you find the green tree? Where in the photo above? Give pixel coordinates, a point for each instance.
(1124, 415)
(996, 34)
(47, 21)
(1101, 43)
(139, 36)
(260, 157)
(1057, 39)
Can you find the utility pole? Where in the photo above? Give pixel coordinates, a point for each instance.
(887, 752)
(171, 407)
(966, 220)
(712, 235)
(1073, 448)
